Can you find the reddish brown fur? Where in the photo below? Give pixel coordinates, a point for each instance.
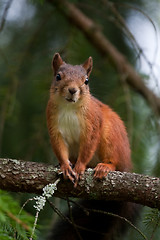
(102, 143)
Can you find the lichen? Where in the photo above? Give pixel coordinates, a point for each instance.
(15, 161)
(2, 176)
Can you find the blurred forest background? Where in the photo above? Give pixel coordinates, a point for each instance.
(30, 33)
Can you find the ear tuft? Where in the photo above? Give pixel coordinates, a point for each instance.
(56, 62)
(88, 64)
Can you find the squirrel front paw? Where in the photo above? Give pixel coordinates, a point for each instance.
(67, 171)
(79, 171)
(102, 169)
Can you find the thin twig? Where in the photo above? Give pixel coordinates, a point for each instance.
(71, 217)
(19, 221)
(66, 219)
(95, 211)
(120, 217)
(3, 20)
(34, 226)
(113, 215)
(141, 52)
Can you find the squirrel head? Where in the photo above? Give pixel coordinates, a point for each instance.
(70, 83)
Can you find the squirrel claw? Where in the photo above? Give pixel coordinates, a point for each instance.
(79, 171)
(77, 179)
(102, 169)
(68, 172)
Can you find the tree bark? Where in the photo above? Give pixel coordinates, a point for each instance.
(31, 177)
(93, 32)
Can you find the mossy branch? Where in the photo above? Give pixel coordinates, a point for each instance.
(31, 177)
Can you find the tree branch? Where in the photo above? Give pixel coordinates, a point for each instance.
(31, 177)
(4, 15)
(93, 32)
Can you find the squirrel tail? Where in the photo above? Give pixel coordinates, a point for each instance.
(91, 224)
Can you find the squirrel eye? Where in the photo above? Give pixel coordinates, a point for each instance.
(86, 81)
(58, 77)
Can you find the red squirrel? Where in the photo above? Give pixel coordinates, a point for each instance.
(83, 131)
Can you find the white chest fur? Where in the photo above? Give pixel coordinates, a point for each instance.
(68, 124)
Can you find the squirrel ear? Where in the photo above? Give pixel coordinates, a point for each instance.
(56, 62)
(88, 64)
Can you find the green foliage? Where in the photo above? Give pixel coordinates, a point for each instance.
(11, 222)
(152, 218)
(152, 223)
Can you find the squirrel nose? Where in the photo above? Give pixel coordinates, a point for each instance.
(72, 90)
